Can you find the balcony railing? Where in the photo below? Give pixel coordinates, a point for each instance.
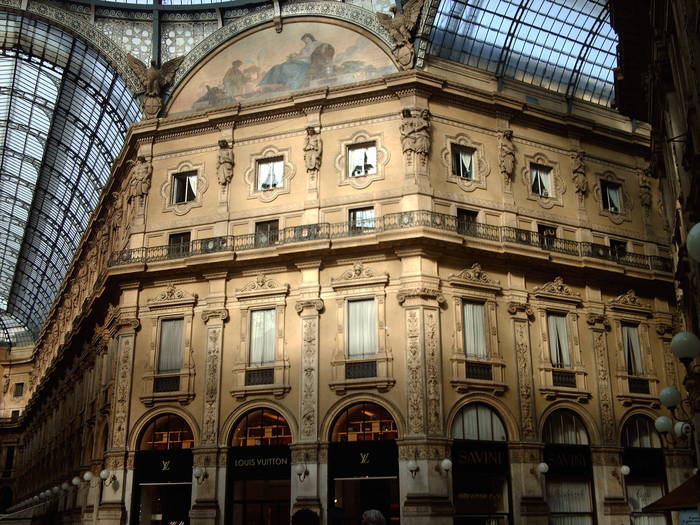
(260, 376)
(564, 378)
(360, 370)
(482, 371)
(638, 385)
(387, 223)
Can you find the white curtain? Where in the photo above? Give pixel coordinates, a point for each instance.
(362, 329)
(170, 354)
(541, 184)
(270, 174)
(191, 187)
(474, 331)
(478, 421)
(558, 341)
(362, 161)
(462, 163)
(363, 218)
(613, 193)
(262, 337)
(633, 351)
(569, 497)
(639, 495)
(564, 428)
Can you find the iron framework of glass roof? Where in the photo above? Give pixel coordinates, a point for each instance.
(567, 46)
(64, 113)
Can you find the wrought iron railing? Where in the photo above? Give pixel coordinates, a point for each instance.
(638, 385)
(166, 384)
(260, 376)
(360, 370)
(564, 378)
(481, 371)
(388, 223)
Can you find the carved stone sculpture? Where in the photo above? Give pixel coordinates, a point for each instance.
(579, 174)
(645, 189)
(506, 155)
(140, 179)
(154, 80)
(224, 163)
(401, 27)
(313, 149)
(415, 132)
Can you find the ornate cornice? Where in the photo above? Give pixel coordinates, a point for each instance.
(474, 276)
(359, 275)
(421, 293)
(664, 329)
(557, 288)
(316, 304)
(628, 301)
(220, 313)
(262, 285)
(171, 295)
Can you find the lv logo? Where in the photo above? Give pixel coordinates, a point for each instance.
(364, 458)
(166, 465)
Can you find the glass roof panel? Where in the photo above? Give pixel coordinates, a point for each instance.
(566, 46)
(63, 116)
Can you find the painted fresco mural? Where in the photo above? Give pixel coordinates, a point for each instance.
(269, 64)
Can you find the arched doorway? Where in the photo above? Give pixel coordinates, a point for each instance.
(481, 474)
(570, 476)
(163, 473)
(258, 478)
(363, 464)
(646, 482)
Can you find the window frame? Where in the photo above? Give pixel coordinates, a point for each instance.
(342, 160)
(179, 249)
(605, 185)
(370, 145)
(167, 190)
(353, 228)
(251, 314)
(626, 203)
(480, 166)
(184, 178)
(539, 170)
(348, 301)
(19, 385)
(269, 153)
(273, 161)
(557, 187)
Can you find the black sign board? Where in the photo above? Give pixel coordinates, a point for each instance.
(568, 460)
(359, 459)
(644, 463)
(163, 466)
(261, 462)
(479, 456)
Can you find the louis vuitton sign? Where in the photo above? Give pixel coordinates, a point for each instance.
(361, 459)
(261, 462)
(163, 466)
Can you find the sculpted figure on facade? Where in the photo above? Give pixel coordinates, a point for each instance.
(579, 174)
(154, 80)
(401, 27)
(506, 155)
(415, 132)
(645, 190)
(224, 163)
(140, 179)
(313, 150)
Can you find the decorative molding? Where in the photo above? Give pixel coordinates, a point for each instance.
(309, 379)
(172, 296)
(220, 313)
(251, 174)
(316, 304)
(123, 391)
(556, 289)
(474, 277)
(598, 318)
(628, 301)
(433, 380)
(557, 183)
(181, 208)
(515, 307)
(604, 388)
(421, 293)
(359, 275)
(480, 166)
(627, 203)
(414, 375)
(210, 434)
(341, 159)
(522, 353)
(262, 286)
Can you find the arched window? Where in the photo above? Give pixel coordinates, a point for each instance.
(167, 432)
(261, 426)
(639, 432)
(364, 422)
(478, 421)
(564, 427)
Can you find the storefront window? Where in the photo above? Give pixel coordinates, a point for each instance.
(363, 465)
(163, 472)
(481, 477)
(570, 476)
(259, 469)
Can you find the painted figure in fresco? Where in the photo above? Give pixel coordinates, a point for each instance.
(234, 79)
(311, 62)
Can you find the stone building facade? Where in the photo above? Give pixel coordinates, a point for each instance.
(360, 294)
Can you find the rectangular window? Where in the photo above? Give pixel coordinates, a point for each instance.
(618, 249)
(14, 415)
(466, 221)
(19, 389)
(262, 337)
(361, 220)
(569, 502)
(179, 244)
(462, 161)
(547, 235)
(558, 341)
(170, 352)
(266, 233)
(362, 329)
(633, 350)
(9, 462)
(540, 180)
(611, 194)
(184, 187)
(474, 330)
(362, 160)
(270, 173)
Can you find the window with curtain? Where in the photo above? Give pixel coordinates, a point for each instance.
(558, 341)
(565, 428)
(474, 330)
(480, 422)
(361, 219)
(540, 180)
(362, 159)
(462, 161)
(184, 187)
(569, 502)
(639, 432)
(262, 337)
(170, 353)
(611, 194)
(639, 495)
(362, 329)
(633, 350)
(270, 173)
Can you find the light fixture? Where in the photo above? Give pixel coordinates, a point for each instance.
(109, 478)
(75, 481)
(35, 498)
(65, 486)
(682, 428)
(541, 468)
(200, 474)
(620, 473)
(685, 346)
(446, 465)
(670, 397)
(692, 241)
(88, 476)
(413, 467)
(56, 489)
(663, 424)
(301, 471)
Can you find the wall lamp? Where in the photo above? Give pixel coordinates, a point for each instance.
(109, 478)
(200, 474)
(620, 473)
(301, 471)
(413, 467)
(446, 465)
(88, 476)
(75, 481)
(541, 468)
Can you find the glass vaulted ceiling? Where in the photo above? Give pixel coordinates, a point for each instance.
(64, 113)
(566, 46)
